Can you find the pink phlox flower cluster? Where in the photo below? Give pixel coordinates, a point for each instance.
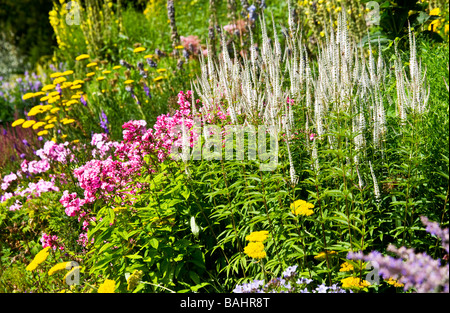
(7, 180)
(50, 241)
(16, 206)
(55, 152)
(72, 203)
(37, 167)
(35, 190)
(102, 145)
(83, 239)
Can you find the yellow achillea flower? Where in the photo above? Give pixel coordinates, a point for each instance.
(38, 124)
(78, 81)
(255, 250)
(43, 133)
(354, 283)
(134, 279)
(68, 121)
(39, 93)
(53, 94)
(346, 267)
(91, 64)
(179, 47)
(28, 123)
(49, 126)
(59, 80)
(128, 81)
(90, 74)
(48, 87)
(147, 56)
(69, 72)
(76, 87)
(70, 102)
(394, 282)
(38, 259)
(100, 78)
(82, 57)
(106, 72)
(161, 70)
(18, 122)
(58, 268)
(139, 49)
(55, 75)
(75, 97)
(321, 255)
(258, 236)
(301, 207)
(28, 96)
(107, 287)
(35, 110)
(54, 110)
(116, 67)
(158, 78)
(54, 99)
(44, 98)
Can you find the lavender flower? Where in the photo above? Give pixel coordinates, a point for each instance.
(104, 122)
(147, 91)
(288, 283)
(417, 271)
(82, 100)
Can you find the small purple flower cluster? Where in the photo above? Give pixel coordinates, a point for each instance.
(287, 283)
(417, 271)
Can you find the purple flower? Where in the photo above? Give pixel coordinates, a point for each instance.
(104, 122)
(82, 100)
(417, 271)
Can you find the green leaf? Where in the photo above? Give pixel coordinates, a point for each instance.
(134, 256)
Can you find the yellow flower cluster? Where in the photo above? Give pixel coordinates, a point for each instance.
(255, 250)
(258, 236)
(301, 207)
(108, 286)
(38, 259)
(58, 268)
(321, 255)
(346, 267)
(436, 25)
(134, 280)
(394, 282)
(354, 283)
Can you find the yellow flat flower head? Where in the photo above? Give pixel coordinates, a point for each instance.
(301, 207)
(38, 124)
(91, 64)
(28, 123)
(138, 49)
(55, 75)
(28, 96)
(82, 57)
(107, 287)
(42, 133)
(128, 81)
(17, 122)
(258, 236)
(90, 74)
(48, 87)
